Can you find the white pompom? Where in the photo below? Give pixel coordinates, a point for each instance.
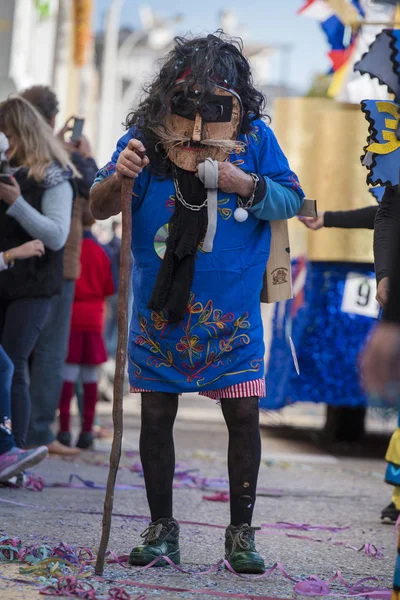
(240, 215)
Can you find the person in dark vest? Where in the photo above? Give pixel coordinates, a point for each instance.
(37, 205)
(48, 359)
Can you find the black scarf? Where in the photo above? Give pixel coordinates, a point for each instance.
(187, 229)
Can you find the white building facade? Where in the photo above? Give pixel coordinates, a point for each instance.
(27, 44)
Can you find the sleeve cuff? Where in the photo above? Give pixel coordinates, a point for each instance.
(279, 202)
(3, 266)
(261, 190)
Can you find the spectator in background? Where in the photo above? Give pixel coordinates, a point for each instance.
(381, 368)
(86, 345)
(51, 348)
(385, 220)
(38, 204)
(111, 331)
(14, 460)
(381, 357)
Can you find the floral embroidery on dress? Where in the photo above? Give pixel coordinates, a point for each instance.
(170, 203)
(107, 170)
(294, 182)
(254, 134)
(238, 163)
(242, 149)
(225, 213)
(189, 347)
(190, 357)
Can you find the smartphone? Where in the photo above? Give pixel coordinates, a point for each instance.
(77, 129)
(4, 178)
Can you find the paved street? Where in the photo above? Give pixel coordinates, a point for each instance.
(300, 483)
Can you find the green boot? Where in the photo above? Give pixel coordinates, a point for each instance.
(240, 549)
(161, 538)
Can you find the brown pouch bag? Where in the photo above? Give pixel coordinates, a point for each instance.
(277, 285)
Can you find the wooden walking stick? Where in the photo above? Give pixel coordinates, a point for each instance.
(120, 364)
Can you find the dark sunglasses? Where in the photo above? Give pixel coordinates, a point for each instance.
(212, 108)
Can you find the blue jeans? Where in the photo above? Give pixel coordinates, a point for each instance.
(46, 367)
(21, 322)
(6, 375)
(111, 328)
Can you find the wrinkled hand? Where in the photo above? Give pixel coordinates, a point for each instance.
(314, 223)
(233, 180)
(382, 291)
(34, 248)
(9, 193)
(380, 362)
(129, 163)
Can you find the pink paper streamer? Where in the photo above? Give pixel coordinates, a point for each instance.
(70, 585)
(313, 585)
(303, 527)
(218, 497)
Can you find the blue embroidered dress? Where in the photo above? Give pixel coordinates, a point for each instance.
(220, 342)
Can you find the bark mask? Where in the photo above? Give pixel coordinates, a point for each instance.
(201, 126)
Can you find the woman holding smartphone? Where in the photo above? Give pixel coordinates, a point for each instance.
(37, 205)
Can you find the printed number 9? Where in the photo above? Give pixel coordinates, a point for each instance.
(364, 294)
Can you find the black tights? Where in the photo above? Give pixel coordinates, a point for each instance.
(158, 454)
(157, 450)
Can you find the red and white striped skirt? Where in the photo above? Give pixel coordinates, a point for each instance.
(246, 389)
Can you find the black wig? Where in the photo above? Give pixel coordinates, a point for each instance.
(208, 60)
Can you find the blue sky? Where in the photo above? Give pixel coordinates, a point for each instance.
(269, 21)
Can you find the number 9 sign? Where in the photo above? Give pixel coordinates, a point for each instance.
(359, 296)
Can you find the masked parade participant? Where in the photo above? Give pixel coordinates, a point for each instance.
(209, 176)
